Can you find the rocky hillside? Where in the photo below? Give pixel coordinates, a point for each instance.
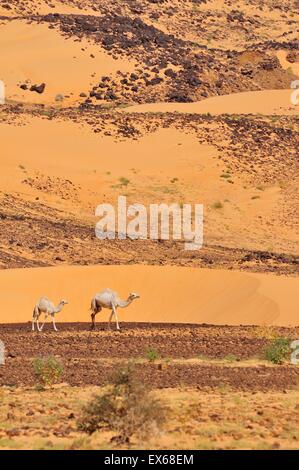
(180, 51)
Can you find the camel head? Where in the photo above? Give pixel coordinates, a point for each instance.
(60, 306)
(133, 296)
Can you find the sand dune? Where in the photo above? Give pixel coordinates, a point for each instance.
(168, 294)
(166, 165)
(252, 102)
(38, 54)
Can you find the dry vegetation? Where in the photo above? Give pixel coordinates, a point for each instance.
(196, 419)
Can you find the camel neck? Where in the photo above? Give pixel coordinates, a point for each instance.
(124, 303)
(59, 307)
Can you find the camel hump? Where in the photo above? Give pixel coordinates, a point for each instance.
(107, 291)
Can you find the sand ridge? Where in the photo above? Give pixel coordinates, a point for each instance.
(267, 102)
(169, 294)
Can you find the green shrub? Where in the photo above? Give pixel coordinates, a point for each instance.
(217, 205)
(127, 408)
(124, 181)
(278, 350)
(231, 358)
(47, 371)
(225, 175)
(152, 354)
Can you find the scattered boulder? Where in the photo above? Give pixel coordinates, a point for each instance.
(293, 56)
(155, 81)
(110, 96)
(38, 88)
(170, 73)
(59, 98)
(179, 97)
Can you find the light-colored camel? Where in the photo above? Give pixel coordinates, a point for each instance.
(109, 299)
(47, 307)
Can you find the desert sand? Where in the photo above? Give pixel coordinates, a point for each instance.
(168, 294)
(266, 102)
(34, 54)
(65, 165)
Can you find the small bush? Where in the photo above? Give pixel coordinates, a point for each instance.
(278, 350)
(265, 331)
(152, 354)
(47, 371)
(231, 358)
(127, 408)
(124, 181)
(225, 175)
(217, 205)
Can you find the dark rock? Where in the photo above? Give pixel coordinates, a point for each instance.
(170, 73)
(179, 97)
(38, 88)
(155, 81)
(111, 96)
(193, 81)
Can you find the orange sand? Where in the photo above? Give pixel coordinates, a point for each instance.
(265, 102)
(168, 294)
(95, 164)
(41, 55)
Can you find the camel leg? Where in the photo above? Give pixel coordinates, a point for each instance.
(93, 320)
(54, 324)
(41, 328)
(116, 317)
(95, 309)
(35, 318)
(110, 318)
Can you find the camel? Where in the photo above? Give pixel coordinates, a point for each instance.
(109, 299)
(47, 307)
